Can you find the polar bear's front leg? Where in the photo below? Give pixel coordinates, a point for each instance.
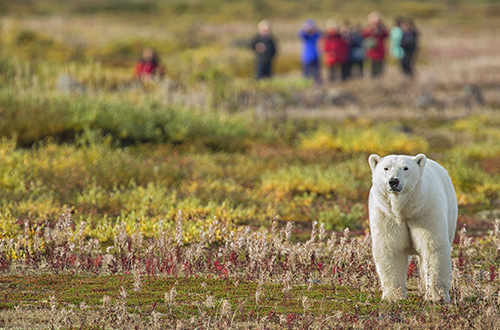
(435, 259)
(391, 261)
(392, 275)
(436, 273)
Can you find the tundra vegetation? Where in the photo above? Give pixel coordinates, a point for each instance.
(210, 200)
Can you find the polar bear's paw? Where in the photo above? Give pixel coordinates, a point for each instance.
(394, 294)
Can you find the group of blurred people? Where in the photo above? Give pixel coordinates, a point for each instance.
(345, 48)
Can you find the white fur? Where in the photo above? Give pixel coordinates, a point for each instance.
(420, 219)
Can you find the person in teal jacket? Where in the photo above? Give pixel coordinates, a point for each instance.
(396, 35)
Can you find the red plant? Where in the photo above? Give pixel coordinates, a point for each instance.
(336, 272)
(461, 261)
(221, 269)
(4, 262)
(149, 265)
(493, 273)
(290, 319)
(188, 268)
(412, 269)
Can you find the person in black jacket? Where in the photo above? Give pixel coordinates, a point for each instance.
(265, 50)
(409, 43)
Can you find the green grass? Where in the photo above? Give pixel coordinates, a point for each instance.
(35, 291)
(202, 297)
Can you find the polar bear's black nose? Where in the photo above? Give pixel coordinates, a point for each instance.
(393, 183)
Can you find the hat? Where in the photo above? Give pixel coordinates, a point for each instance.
(310, 23)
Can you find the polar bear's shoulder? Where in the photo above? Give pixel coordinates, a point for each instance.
(436, 171)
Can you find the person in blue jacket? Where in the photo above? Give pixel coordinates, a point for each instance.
(310, 57)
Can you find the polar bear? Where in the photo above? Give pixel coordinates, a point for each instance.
(412, 210)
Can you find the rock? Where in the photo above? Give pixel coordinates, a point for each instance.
(313, 98)
(489, 215)
(314, 281)
(473, 94)
(425, 100)
(341, 98)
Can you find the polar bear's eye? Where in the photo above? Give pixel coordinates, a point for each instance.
(406, 168)
(386, 169)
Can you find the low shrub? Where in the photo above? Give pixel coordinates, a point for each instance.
(345, 179)
(31, 117)
(378, 138)
(34, 46)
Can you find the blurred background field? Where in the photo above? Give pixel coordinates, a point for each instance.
(78, 133)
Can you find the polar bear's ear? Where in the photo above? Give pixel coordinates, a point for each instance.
(373, 160)
(420, 159)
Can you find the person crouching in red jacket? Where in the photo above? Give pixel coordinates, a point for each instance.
(374, 35)
(336, 52)
(148, 67)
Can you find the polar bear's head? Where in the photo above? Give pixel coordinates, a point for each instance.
(396, 173)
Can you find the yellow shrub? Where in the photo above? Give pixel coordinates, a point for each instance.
(41, 209)
(321, 140)
(8, 225)
(379, 139)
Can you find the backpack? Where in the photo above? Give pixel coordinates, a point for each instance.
(409, 41)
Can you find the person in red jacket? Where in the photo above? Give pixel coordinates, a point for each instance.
(336, 51)
(375, 35)
(148, 66)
